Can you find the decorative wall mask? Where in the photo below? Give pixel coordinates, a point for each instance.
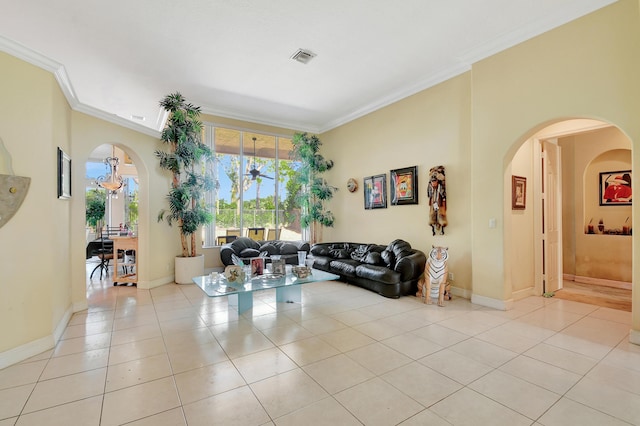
(437, 193)
(13, 189)
(352, 185)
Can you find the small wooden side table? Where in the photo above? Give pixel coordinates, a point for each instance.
(130, 273)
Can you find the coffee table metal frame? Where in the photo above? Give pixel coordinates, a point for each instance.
(240, 295)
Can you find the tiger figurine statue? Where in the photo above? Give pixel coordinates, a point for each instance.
(433, 282)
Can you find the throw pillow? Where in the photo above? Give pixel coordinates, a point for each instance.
(360, 252)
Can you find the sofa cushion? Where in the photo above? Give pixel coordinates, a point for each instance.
(400, 249)
(346, 267)
(249, 252)
(320, 250)
(269, 248)
(288, 249)
(373, 258)
(242, 243)
(388, 258)
(339, 253)
(322, 262)
(339, 246)
(378, 273)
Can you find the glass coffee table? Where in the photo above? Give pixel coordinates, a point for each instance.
(240, 295)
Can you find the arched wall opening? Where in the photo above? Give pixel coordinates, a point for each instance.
(582, 146)
(130, 163)
(109, 211)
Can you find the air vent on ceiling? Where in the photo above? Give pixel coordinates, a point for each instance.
(303, 56)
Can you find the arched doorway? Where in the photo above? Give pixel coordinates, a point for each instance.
(567, 203)
(109, 209)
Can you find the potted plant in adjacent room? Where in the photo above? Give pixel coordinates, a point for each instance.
(315, 190)
(187, 160)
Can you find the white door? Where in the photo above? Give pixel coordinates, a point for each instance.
(551, 215)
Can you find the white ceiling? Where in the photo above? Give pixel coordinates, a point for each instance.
(116, 59)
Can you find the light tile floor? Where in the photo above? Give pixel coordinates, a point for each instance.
(344, 356)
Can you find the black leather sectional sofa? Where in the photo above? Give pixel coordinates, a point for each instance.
(392, 270)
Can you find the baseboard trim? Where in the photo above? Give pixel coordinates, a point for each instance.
(36, 347)
(148, 285)
(523, 294)
(460, 292)
(80, 306)
(634, 337)
(62, 324)
(502, 305)
(26, 351)
(598, 281)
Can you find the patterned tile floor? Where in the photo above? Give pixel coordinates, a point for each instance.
(344, 356)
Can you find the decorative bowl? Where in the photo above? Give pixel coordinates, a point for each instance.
(301, 271)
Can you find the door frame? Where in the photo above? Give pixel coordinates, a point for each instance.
(543, 212)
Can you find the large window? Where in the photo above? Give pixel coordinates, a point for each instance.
(255, 196)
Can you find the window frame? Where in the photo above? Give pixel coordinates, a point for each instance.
(209, 231)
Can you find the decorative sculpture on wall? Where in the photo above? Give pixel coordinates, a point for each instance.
(433, 282)
(13, 189)
(437, 193)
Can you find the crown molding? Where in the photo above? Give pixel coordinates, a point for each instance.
(62, 78)
(462, 63)
(292, 125)
(116, 119)
(402, 93)
(530, 30)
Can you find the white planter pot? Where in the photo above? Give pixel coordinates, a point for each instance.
(188, 267)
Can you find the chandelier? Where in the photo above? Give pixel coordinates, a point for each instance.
(112, 181)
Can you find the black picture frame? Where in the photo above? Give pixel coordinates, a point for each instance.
(375, 192)
(404, 186)
(64, 175)
(615, 188)
(518, 193)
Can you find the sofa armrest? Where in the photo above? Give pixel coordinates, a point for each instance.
(226, 252)
(412, 266)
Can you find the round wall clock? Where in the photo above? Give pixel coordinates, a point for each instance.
(352, 185)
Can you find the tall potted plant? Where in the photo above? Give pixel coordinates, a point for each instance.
(315, 190)
(187, 160)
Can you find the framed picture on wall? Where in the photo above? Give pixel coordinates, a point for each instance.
(375, 192)
(404, 186)
(518, 193)
(64, 175)
(615, 188)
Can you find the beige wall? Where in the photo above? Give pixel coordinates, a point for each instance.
(472, 124)
(34, 244)
(585, 155)
(587, 68)
(519, 241)
(428, 129)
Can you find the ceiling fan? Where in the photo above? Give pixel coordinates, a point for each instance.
(254, 172)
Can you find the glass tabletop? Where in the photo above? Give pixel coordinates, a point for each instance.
(220, 286)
